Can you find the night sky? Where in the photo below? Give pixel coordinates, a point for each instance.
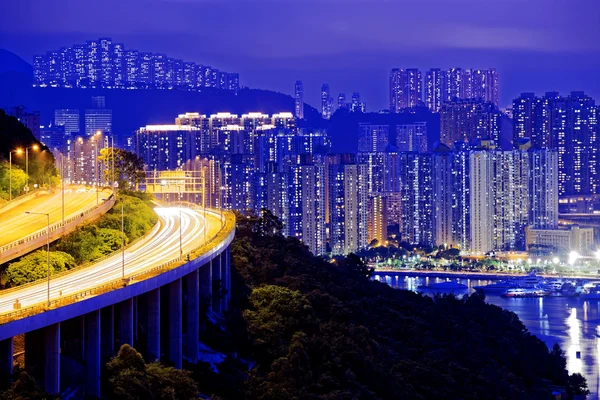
(537, 45)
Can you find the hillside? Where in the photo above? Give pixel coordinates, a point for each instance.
(10, 62)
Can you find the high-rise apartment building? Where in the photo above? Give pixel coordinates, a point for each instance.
(406, 89)
(341, 101)
(326, 102)
(69, 119)
(373, 138)
(465, 120)
(165, 147)
(102, 63)
(415, 171)
(543, 189)
(299, 100)
(434, 89)
(347, 205)
(99, 118)
(357, 105)
(412, 137)
(568, 124)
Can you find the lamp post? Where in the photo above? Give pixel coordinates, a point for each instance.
(34, 147)
(18, 151)
(47, 246)
(180, 223)
(62, 184)
(95, 142)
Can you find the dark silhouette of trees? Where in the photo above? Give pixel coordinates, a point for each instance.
(322, 330)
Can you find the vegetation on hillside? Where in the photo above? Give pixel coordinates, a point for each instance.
(129, 377)
(89, 241)
(322, 330)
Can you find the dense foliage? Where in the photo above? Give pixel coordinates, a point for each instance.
(321, 330)
(14, 135)
(24, 387)
(127, 167)
(129, 377)
(34, 266)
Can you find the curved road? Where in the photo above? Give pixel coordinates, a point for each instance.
(159, 246)
(15, 224)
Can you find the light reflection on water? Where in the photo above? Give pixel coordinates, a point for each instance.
(570, 322)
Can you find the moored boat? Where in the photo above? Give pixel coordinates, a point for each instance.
(527, 292)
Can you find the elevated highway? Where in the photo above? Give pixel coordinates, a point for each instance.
(168, 280)
(21, 233)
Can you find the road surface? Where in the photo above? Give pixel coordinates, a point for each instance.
(15, 224)
(159, 246)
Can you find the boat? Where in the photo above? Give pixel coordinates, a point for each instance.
(527, 292)
(591, 292)
(529, 281)
(445, 286)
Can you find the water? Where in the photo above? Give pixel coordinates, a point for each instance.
(570, 322)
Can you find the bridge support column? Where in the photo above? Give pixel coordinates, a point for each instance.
(126, 322)
(193, 316)
(92, 353)
(6, 356)
(153, 350)
(175, 324)
(52, 358)
(217, 282)
(205, 273)
(224, 279)
(107, 339)
(228, 271)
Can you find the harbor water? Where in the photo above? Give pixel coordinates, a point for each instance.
(569, 321)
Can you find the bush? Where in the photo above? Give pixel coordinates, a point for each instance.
(35, 266)
(130, 377)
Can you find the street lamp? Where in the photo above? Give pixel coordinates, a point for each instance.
(180, 239)
(18, 151)
(47, 246)
(95, 143)
(34, 147)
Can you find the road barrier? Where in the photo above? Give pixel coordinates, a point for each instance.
(57, 230)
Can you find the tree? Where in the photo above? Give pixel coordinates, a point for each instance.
(275, 314)
(130, 377)
(35, 266)
(25, 388)
(13, 177)
(128, 167)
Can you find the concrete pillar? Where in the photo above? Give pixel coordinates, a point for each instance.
(34, 354)
(153, 327)
(6, 356)
(228, 271)
(206, 285)
(52, 359)
(193, 316)
(107, 340)
(126, 322)
(92, 353)
(216, 278)
(175, 324)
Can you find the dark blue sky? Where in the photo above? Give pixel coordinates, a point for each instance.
(537, 45)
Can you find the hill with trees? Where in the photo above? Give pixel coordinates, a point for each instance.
(323, 330)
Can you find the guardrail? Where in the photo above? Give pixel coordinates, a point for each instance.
(22, 198)
(5, 255)
(227, 226)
